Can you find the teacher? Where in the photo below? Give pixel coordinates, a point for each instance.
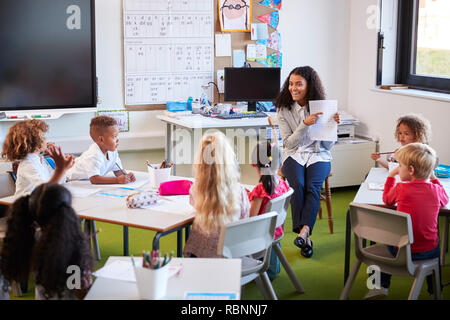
(305, 162)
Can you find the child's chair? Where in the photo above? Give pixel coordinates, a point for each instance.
(246, 237)
(327, 199)
(281, 204)
(394, 228)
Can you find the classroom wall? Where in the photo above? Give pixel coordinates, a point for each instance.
(313, 33)
(379, 110)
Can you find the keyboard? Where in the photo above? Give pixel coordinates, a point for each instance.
(241, 115)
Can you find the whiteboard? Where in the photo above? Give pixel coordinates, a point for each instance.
(168, 49)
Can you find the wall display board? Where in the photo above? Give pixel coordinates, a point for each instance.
(168, 49)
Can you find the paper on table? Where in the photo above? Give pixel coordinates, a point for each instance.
(141, 179)
(118, 270)
(223, 44)
(376, 186)
(173, 204)
(325, 129)
(80, 191)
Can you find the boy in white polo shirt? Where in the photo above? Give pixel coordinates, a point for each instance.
(102, 156)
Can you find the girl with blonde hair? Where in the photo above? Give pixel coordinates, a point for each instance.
(216, 195)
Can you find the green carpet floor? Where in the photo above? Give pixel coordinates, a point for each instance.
(321, 276)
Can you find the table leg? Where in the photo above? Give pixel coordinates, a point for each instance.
(179, 242)
(125, 241)
(169, 147)
(348, 241)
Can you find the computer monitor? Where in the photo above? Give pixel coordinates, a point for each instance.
(251, 84)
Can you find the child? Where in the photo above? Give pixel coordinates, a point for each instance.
(25, 142)
(266, 160)
(102, 156)
(418, 197)
(410, 128)
(216, 195)
(44, 236)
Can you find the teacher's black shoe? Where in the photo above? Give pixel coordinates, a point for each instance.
(300, 242)
(307, 250)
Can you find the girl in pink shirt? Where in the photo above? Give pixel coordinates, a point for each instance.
(266, 160)
(420, 198)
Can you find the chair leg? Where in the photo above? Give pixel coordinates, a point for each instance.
(417, 285)
(15, 289)
(444, 245)
(351, 278)
(320, 210)
(288, 268)
(328, 203)
(437, 284)
(268, 286)
(262, 288)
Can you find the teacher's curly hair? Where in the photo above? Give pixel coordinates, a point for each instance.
(315, 88)
(44, 236)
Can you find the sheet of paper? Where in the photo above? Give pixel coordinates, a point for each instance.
(251, 52)
(80, 191)
(259, 31)
(325, 129)
(142, 178)
(238, 58)
(174, 205)
(118, 270)
(223, 45)
(261, 52)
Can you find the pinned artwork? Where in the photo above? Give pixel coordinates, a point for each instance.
(274, 4)
(274, 41)
(235, 15)
(122, 117)
(271, 19)
(273, 60)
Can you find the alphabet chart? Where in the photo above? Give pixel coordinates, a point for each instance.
(168, 49)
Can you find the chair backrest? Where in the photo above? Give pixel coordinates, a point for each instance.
(247, 236)
(7, 185)
(383, 226)
(280, 204)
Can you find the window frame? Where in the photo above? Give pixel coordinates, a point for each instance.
(407, 50)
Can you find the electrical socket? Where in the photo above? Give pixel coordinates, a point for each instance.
(220, 80)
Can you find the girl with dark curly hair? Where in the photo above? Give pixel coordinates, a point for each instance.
(24, 142)
(305, 162)
(44, 236)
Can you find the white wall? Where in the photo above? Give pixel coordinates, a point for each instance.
(316, 33)
(378, 110)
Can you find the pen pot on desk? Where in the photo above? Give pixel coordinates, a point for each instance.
(152, 283)
(158, 175)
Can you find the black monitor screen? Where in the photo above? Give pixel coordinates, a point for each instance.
(47, 54)
(251, 84)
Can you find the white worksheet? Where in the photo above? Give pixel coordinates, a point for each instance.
(168, 49)
(325, 129)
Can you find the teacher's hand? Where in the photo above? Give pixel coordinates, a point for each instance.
(312, 118)
(337, 118)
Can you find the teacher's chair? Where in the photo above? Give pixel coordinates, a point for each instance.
(327, 198)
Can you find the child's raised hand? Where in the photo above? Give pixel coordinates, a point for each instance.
(62, 162)
(375, 156)
(312, 118)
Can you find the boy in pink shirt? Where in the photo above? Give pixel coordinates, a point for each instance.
(418, 197)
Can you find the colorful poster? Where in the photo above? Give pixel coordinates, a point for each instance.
(273, 60)
(235, 15)
(122, 117)
(274, 4)
(274, 41)
(271, 19)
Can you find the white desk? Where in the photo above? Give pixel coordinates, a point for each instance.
(114, 210)
(375, 197)
(197, 275)
(194, 125)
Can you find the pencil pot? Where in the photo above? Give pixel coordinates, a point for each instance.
(152, 283)
(157, 175)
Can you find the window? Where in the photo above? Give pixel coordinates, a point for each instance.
(423, 44)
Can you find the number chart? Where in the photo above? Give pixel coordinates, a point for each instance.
(168, 49)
